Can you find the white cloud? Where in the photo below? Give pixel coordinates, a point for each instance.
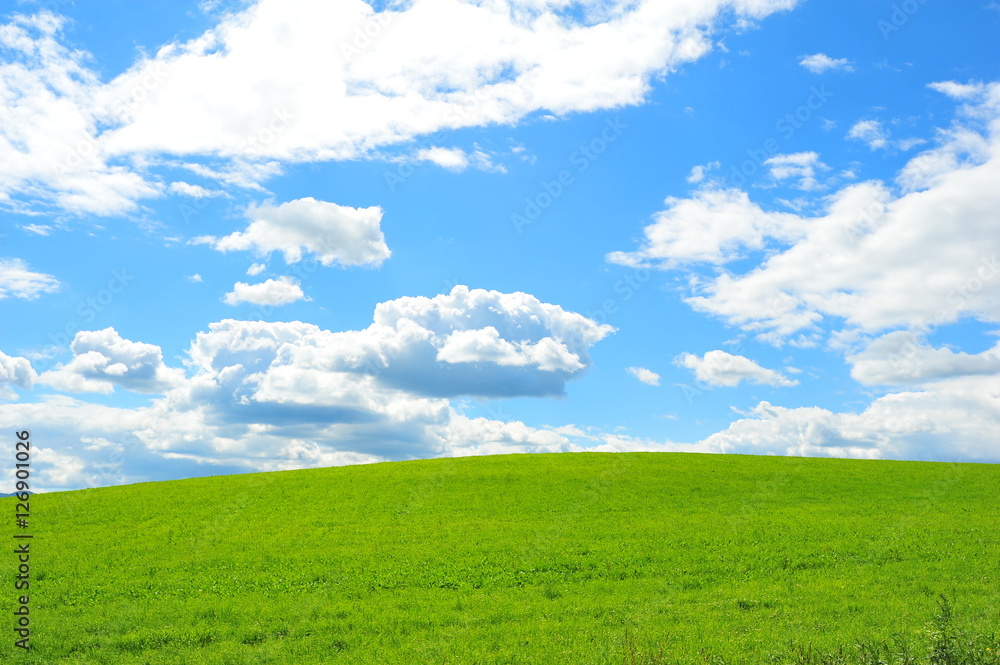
(15, 371)
(453, 159)
(718, 368)
(18, 281)
(485, 345)
(268, 396)
(195, 191)
(238, 172)
(467, 342)
(904, 358)
(871, 132)
(648, 377)
(433, 65)
(716, 226)
(256, 269)
(283, 81)
(950, 420)
(273, 292)
(910, 143)
(870, 259)
(463, 436)
(699, 172)
(961, 91)
(103, 360)
(37, 229)
(484, 162)
(623, 443)
(801, 166)
(196, 278)
(958, 148)
(416, 353)
(875, 134)
(334, 234)
(49, 108)
(91, 444)
(265, 396)
(820, 62)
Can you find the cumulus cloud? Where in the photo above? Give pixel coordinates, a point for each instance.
(952, 419)
(382, 392)
(649, 377)
(434, 65)
(50, 108)
(15, 371)
(716, 226)
(467, 342)
(905, 358)
(820, 62)
(875, 264)
(416, 351)
(283, 395)
(273, 292)
(486, 345)
(102, 359)
(430, 65)
(90, 445)
(275, 395)
(95, 445)
(465, 436)
(623, 443)
(334, 234)
(19, 281)
(871, 259)
(958, 148)
(718, 368)
(875, 258)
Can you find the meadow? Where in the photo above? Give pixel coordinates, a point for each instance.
(566, 558)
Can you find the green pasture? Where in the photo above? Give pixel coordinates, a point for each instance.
(563, 558)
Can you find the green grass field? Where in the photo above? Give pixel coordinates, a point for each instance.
(566, 558)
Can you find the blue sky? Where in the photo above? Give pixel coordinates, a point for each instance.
(250, 236)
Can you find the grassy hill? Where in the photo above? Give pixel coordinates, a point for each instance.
(567, 558)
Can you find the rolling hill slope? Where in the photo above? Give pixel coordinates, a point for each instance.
(565, 558)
